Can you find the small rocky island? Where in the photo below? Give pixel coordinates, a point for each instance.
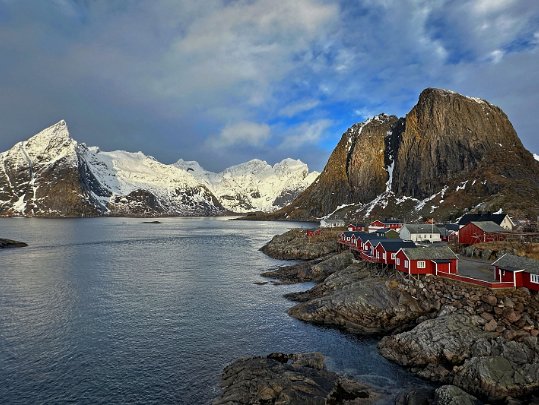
(8, 243)
(481, 344)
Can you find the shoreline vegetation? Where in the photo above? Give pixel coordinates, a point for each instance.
(480, 344)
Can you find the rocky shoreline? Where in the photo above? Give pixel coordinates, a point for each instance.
(482, 344)
(295, 245)
(8, 243)
(290, 379)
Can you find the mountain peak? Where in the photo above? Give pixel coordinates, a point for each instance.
(56, 133)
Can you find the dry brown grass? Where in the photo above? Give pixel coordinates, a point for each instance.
(526, 249)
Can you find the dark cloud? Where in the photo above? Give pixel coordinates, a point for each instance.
(222, 82)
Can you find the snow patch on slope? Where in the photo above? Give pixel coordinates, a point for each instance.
(254, 185)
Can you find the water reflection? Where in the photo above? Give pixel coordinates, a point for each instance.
(112, 310)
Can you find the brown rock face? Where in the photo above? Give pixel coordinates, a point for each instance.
(449, 155)
(355, 171)
(446, 135)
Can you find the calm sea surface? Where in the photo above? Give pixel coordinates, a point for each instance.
(113, 310)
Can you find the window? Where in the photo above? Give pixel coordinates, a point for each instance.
(385, 255)
(421, 264)
(393, 255)
(534, 278)
(398, 261)
(406, 264)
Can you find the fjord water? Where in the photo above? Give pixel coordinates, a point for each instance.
(114, 310)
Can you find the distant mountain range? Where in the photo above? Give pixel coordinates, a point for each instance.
(52, 175)
(450, 155)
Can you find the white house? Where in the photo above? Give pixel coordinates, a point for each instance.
(420, 233)
(332, 223)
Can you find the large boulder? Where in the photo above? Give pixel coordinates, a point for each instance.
(356, 300)
(313, 270)
(295, 245)
(290, 379)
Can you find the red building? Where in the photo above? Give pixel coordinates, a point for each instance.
(395, 224)
(357, 227)
(521, 271)
(353, 239)
(477, 232)
(386, 250)
(431, 260)
(312, 232)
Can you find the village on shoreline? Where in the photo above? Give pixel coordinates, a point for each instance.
(469, 325)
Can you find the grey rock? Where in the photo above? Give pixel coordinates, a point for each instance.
(294, 245)
(290, 379)
(355, 300)
(313, 270)
(8, 243)
(452, 395)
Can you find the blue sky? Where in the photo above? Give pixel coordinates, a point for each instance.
(225, 81)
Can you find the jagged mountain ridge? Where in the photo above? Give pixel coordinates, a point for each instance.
(451, 154)
(52, 175)
(254, 185)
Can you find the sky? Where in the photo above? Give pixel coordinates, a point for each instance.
(226, 81)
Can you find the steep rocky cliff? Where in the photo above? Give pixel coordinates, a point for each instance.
(451, 154)
(356, 171)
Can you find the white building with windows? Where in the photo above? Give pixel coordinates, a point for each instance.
(420, 233)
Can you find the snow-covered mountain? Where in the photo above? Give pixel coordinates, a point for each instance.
(51, 174)
(254, 185)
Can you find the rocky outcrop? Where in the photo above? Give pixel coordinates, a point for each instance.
(290, 379)
(356, 300)
(295, 245)
(446, 134)
(452, 395)
(483, 341)
(8, 243)
(455, 348)
(449, 155)
(499, 369)
(435, 346)
(313, 270)
(355, 172)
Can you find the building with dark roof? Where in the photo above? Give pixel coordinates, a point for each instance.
(500, 219)
(430, 260)
(385, 250)
(478, 232)
(521, 271)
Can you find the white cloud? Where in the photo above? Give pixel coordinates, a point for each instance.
(305, 134)
(242, 133)
(291, 110)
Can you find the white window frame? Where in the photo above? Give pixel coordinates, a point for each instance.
(398, 261)
(534, 278)
(421, 264)
(405, 263)
(393, 256)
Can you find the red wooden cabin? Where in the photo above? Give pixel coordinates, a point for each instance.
(386, 250)
(477, 232)
(430, 260)
(521, 271)
(395, 224)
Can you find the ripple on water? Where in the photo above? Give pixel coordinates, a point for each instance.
(111, 310)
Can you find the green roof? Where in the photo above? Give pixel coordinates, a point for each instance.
(514, 263)
(429, 253)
